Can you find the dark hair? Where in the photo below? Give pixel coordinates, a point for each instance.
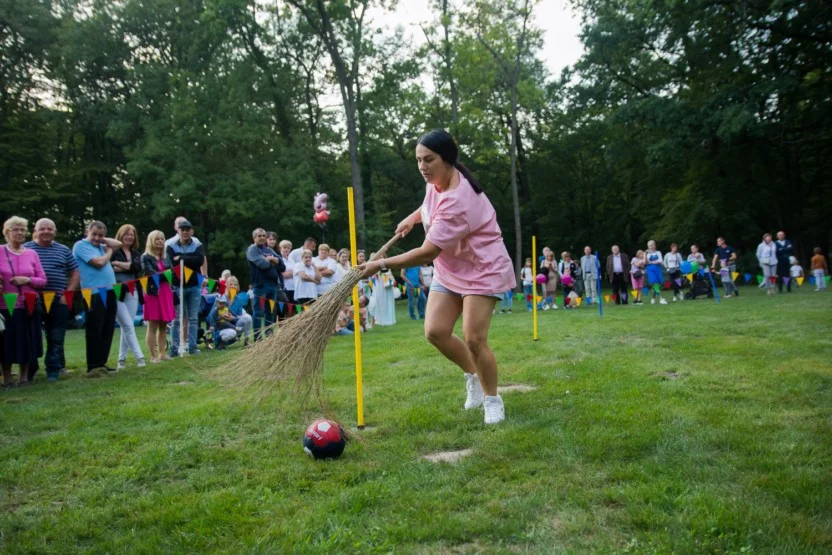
(443, 144)
(271, 235)
(818, 250)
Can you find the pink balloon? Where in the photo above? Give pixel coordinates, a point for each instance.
(541, 279)
(567, 280)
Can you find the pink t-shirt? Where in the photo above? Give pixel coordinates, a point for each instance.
(474, 259)
(26, 264)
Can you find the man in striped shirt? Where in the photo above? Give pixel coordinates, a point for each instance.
(61, 275)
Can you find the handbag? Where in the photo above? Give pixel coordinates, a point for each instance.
(638, 274)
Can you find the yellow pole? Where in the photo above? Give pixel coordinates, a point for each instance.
(534, 286)
(359, 383)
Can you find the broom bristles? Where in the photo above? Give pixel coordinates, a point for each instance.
(294, 352)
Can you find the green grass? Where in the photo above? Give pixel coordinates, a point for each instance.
(687, 428)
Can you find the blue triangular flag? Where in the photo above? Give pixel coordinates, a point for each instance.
(701, 272)
(747, 278)
(812, 280)
(199, 279)
(786, 280)
(102, 292)
(156, 280)
(678, 281)
(280, 306)
(646, 290)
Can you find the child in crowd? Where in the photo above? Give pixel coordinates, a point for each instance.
(727, 278)
(226, 324)
(637, 276)
(568, 269)
(795, 269)
(819, 269)
(344, 323)
(527, 278)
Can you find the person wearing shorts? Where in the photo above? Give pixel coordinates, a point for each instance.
(472, 268)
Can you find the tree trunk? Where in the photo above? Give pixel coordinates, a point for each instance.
(515, 196)
(449, 65)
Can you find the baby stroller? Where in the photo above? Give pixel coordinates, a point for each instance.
(701, 286)
(206, 304)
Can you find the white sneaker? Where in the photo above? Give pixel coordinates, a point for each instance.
(495, 411)
(674, 298)
(545, 307)
(141, 363)
(662, 301)
(121, 365)
(475, 393)
(554, 307)
(653, 301)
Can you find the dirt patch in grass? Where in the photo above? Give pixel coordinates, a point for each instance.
(448, 456)
(669, 375)
(185, 382)
(519, 387)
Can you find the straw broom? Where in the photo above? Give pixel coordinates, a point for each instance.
(295, 351)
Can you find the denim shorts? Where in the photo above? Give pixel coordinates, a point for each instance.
(437, 287)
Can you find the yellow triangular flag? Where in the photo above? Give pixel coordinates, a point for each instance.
(143, 283)
(271, 304)
(87, 294)
(800, 281)
(690, 277)
(578, 301)
(635, 293)
(607, 299)
(735, 275)
(48, 297)
(232, 292)
(188, 274)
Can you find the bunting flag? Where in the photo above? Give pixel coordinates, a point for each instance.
(607, 299)
(702, 272)
(188, 274)
(70, 298)
(735, 275)
(30, 298)
(811, 280)
(199, 279)
(48, 297)
(689, 277)
(299, 308)
(156, 281)
(271, 305)
(11, 300)
(87, 294)
(635, 293)
(117, 289)
(827, 278)
(772, 279)
(678, 282)
(667, 285)
(578, 301)
(645, 290)
(102, 292)
(747, 278)
(131, 286)
(760, 279)
(418, 291)
(656, 287)
(168, 276)
(786, 281)
(800, 281)
(143, 282)
(291, 308)
(211, 284)
(262, 303)
(280, 306)
(232, 292)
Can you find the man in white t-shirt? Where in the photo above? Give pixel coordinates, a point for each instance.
(296, 255)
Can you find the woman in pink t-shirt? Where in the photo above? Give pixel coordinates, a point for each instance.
(472, 268)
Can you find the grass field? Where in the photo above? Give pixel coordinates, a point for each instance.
(687, 428)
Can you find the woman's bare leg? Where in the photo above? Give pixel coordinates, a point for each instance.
(150, 340)
(442, 312)
(476, 319)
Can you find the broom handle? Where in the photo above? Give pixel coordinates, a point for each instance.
(381, 252)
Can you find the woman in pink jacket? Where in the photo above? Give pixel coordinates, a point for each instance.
(23, 276)
(472, 268)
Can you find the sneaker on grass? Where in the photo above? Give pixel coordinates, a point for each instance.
(475, 393)
(495, 411)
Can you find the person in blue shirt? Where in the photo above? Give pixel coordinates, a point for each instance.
(411, 277)
(265, 268)
(93, 255)
(192, 254)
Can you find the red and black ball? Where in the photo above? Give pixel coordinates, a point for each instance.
(324, 439)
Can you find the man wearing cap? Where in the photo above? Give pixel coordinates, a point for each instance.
(184, 250)
(196, 241)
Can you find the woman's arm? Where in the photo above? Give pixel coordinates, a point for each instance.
(414, 257)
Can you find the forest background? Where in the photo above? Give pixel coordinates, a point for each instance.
(682, 120)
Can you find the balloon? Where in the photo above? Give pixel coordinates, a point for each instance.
(541, 279)
(567, 280)
(321, 213)
(686, 267)
(694, 267)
